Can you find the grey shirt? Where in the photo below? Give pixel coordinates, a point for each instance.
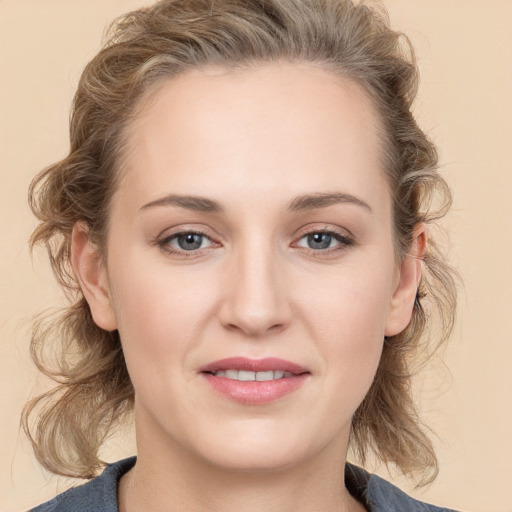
(100, 494)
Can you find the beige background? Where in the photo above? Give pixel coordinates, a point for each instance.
(465, 53)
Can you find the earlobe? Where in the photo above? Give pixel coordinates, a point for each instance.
(89, 268)
(404, 295)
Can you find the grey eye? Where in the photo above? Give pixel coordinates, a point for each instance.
(189, 241)
(319, 240)
(323, 240)
(186, 243)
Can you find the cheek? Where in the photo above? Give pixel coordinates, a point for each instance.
(160, 321)
(347, 318)
(160, 313)
(347, 304)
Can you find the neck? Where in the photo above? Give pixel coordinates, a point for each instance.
(173, 479)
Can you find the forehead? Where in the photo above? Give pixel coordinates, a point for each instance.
(295, 127)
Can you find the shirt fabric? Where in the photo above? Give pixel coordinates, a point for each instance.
(100, 493)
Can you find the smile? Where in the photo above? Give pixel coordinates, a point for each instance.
(245, 375)
(243, 368)
(254, 381)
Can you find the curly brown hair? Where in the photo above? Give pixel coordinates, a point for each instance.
(94, 392)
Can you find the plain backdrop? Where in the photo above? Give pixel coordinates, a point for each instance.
(464, 49)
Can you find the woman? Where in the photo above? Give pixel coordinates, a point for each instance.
(242, 224)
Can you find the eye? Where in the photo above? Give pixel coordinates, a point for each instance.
(186, 241)
(324, 240)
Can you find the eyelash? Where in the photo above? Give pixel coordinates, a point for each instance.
(344, 241)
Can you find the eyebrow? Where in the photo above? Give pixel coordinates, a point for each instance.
(298, 204)
(200, 204)
(313, 201)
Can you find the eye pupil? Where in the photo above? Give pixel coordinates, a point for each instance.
(319, 240)
(190, 241)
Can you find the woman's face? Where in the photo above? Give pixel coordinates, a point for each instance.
(252, 221)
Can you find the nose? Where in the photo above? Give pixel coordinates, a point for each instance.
(255, 293)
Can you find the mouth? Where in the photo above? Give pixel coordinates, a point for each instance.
(247, 376)
(244, 369)
(254, 381)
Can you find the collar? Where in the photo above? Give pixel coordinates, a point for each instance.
(100, 494)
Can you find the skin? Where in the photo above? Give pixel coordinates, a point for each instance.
(253, 141)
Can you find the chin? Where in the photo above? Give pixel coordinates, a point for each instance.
(249, 461)
(259, 449)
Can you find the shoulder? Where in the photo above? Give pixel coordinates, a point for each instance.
(100, 494)
(381, 496)
(97, 495)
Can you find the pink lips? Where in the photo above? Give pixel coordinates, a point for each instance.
(255, 392)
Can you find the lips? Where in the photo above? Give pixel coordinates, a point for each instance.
(254, 365)
(254, 381)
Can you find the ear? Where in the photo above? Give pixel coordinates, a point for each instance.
(408, 280)
(90, 270)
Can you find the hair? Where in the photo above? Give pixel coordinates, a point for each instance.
(93, 392)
